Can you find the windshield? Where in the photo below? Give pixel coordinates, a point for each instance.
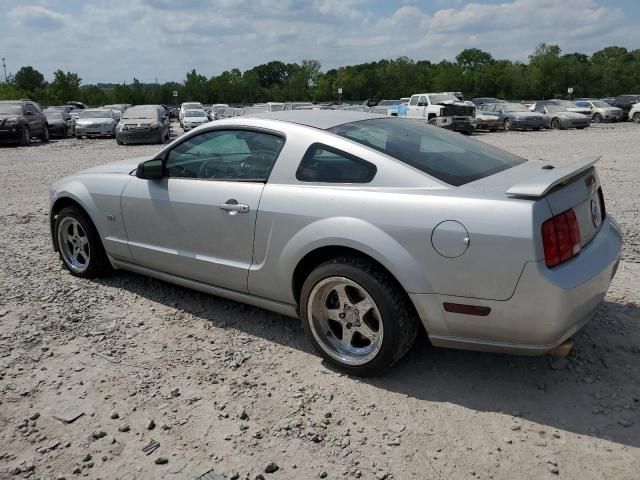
(443, 97)
(133, 114)
(186, 106)
(195, 113)
(515, 107)
(276, 107)
(565, 103)
(555, 108)
(390, 102)
(10, 109)
(444, 155)
(96, 114)
(296, 106)
(53, 116)
(600, 104)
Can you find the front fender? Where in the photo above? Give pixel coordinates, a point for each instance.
(283, 255)
(75, 190)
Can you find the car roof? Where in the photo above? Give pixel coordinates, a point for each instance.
(322, 119)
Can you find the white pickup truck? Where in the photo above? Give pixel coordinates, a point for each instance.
(444, 110)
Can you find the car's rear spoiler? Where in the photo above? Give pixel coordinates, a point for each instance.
(539, 185)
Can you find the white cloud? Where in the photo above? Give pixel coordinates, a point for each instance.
(120, 39)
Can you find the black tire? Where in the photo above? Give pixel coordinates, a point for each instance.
(432, 121)
(508, 125)
(597, 118)
(45, 136)
(98, 263)
(555, 124)
(25, 139)
(119, 142)
(636, 117)
(399, 319)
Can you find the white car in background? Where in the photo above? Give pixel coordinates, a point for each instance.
(194, 118)
(188, 106)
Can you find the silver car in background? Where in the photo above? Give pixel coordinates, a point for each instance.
(600, 111)
(194, 118)
(99, 122)
(559, 118)
(143, 124)
(367, 227)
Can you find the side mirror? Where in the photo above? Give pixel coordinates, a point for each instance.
(151, 169)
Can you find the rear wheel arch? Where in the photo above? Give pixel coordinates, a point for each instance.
(321, 255)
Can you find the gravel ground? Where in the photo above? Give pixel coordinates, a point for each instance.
(93, 371)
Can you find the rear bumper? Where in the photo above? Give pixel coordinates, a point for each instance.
(547, 307)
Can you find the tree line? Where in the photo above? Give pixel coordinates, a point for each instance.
(547, 74)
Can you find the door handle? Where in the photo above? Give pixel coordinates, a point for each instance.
(232, 207)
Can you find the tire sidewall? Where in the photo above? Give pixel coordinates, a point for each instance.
(385, 356)
(46, 136)
(25, 141)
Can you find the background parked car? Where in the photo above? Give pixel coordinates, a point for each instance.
(600, 111)
(609, 100)
(121, 107)
(97, 122)
(559, 118)
(634, 113)
(142, 125)
(21, 120)
(625, 102)
(60, 123)
(484, 100)
(193, 119)
(188, 106)
(572, 107)
(513, 116)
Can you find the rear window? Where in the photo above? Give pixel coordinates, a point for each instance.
(447, 156)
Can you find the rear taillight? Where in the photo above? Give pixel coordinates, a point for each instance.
(560, 238)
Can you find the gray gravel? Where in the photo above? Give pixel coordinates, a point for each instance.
(91, 372)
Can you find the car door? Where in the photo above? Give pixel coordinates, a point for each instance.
(412, 107)
(33, 119)
(198, 220)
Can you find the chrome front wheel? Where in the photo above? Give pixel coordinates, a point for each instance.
(345, 321)
(74, 244)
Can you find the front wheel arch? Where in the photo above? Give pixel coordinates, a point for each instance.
(57, 207)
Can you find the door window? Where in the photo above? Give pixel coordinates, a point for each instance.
(329, 165)
(240, 155)
(414, 100)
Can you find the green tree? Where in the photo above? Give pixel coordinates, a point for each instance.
(65, 86)
(29, 80)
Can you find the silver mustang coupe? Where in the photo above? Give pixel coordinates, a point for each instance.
(364, 226)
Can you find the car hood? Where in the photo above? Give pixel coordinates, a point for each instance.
(124, 166)
(5, 116)
(568, 114)
(523, 114)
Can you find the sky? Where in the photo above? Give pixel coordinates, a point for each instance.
(117, 40)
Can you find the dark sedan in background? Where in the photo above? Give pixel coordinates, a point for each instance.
(60, 123)
(513, 116)
(143, 124)
(22, 120)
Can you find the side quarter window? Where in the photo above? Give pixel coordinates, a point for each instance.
(234, 155)
(325, 164)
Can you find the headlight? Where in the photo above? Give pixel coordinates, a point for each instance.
(11, 121)
(155, 125)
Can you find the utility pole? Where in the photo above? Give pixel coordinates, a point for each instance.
(4, 66)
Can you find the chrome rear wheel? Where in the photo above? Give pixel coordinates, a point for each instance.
(345, 321)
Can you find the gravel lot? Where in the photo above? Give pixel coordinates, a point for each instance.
(92, 371)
